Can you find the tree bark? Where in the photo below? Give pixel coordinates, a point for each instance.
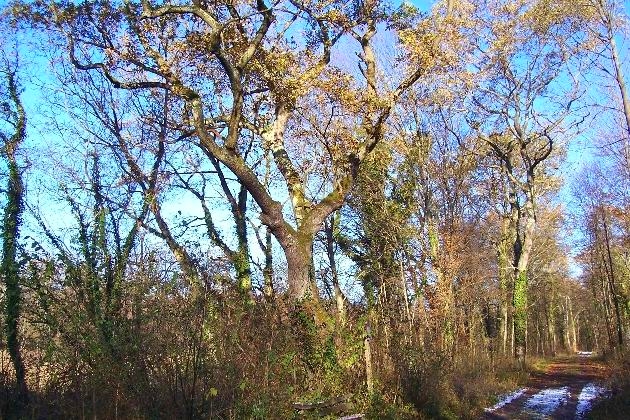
(299, 254)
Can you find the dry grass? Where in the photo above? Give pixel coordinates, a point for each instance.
(617, 406)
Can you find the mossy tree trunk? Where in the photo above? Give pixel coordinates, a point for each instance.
(9, 266)
(522, 251)
(299, 254)
(239, 257)
(505, 273)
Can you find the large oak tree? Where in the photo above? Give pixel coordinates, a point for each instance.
(239, 68)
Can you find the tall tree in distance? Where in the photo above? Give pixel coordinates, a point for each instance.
(525, 55)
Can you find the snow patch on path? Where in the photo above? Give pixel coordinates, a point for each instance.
(589, 393)
(547, 401)
(506, 399)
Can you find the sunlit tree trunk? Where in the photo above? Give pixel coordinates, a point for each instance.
(330, 226)
(268, 268)
(505, 278)
(605, 9)
(522, 252)
(574, 326)
(612, 284)
(605, 295)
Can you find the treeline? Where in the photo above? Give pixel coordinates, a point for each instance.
(305, 208)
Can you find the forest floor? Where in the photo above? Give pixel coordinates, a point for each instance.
(565, 389)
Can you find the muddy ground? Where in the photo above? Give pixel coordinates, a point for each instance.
(559, 392)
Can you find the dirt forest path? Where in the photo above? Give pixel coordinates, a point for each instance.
(565, 390)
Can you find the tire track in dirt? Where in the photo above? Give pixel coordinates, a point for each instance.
(554, 393)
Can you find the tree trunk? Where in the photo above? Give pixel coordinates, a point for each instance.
(567, 335)
(617, 63)
(613, 289)
(540, 347)
(268, 269)
(522, 252)
(300, 279)
(606, 300)
(505, 275)
(241, 259)
(405, 294)
(551, 330)
(572, 327)
(443, 290)
(505, 330)
(9, 267)
(330, 251)
(367, 348)
(625, 98)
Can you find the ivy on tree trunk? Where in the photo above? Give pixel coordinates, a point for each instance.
(9, 267)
